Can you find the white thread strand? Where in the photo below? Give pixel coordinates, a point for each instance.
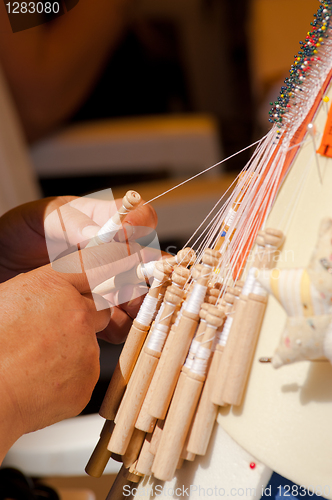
(107, 232)
(200, 363)
(194, 302)
(147, 269)
(147, 310)
(157, 338)
(225, 331)
(206, 170)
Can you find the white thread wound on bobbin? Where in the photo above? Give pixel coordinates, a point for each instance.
(147, 310)
(200, 363)
(157, 338)
(191, 354)
(223, 336)
(158, 315)
(258, 289)
(194, 302)
(147, 269)
(250, 281)
(108, 230)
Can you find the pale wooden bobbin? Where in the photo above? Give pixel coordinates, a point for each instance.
(146, 458)
(254, 313)
(133, 448)
(144, 420)
(133, 344)
(137, 389)
(242, 359)
(156, 436)
(201, 429)
(179, 347)
(158, 330)
(233, 329)
(184, 403)
(101, 455)
(105, 234)
(195, 343)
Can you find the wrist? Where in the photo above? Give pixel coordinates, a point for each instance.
(11, 425)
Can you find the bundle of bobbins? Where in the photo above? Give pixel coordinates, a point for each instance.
(188, 352)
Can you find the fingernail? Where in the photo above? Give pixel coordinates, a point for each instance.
(90, 231)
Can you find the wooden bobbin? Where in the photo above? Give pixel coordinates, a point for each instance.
(212, 295)
(179, 347)
(156, 436)
(133, 448)
(123, 370)
(180, 276)
(137, 274)
(129, 202)
(238, 319)
(185, 257)
(174, 359)
(240, 368)
(226, 359)
(144, 420)
(120, 485)
(146, 458)
(182, 408)
(133, 474)
(131, 350)
(101, 455)
(244, 333)
(206, 413)
(137, 389)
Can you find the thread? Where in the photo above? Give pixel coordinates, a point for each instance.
(147, 310)
(194, 302)
(200, 362)
(223, 336)
(107, 232)
(157, 338)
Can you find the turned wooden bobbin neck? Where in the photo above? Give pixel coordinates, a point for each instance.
(214, 316)
(174, 295)
(180, 276)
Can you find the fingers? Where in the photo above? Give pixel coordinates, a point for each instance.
(100, 311)
(117, 328)
(78, 220)
(89, 267)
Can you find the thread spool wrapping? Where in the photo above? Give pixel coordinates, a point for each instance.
(147, 310)
(194, 302)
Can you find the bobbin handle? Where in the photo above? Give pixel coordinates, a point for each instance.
(123, 370)
(105, 234)
(125, 422)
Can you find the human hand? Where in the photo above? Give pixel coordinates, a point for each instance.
(22, 230)
(49, 356)
(23, 245)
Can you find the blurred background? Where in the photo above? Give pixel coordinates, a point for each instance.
(141, 94)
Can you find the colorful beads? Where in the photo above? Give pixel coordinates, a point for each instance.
(306, 59)
(326, 98)
(252, 465)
